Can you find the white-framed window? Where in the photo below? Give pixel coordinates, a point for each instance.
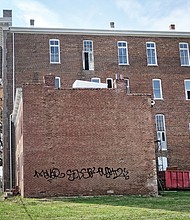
(187, 89)
(88, 55)
(57, 82)
(162, 163)
(161, 132)
(122, 53)
(184, 54)
(109, 82)
(151, 53)
(95, 79)
(54, 51)
(157, 88)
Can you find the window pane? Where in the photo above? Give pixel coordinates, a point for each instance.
(151, 53)
(157, 89)
(184, 54)
(122, 53)
(187, 85)
(160, 126)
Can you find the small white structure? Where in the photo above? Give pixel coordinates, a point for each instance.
(87, 84)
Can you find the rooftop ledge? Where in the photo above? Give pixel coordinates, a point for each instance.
(112, 32)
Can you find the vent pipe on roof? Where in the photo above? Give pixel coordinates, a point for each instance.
(32, 22)
(7, 13)
(112, 24)
(172, 27)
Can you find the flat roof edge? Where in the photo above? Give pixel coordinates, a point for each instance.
(65, 31)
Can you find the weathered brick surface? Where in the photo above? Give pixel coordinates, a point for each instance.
(32, 63)
(72, 130)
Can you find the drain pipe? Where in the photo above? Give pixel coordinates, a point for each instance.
(10, 117)
(13, 68)
(10, 143)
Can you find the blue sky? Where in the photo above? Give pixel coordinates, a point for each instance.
(97, 14)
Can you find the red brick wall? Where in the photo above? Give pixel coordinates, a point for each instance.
(73, 130)
(32, 63)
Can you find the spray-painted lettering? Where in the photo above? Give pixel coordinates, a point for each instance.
(84, 173)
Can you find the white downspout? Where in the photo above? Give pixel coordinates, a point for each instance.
(10, 117)
(13, 68)
(10, 141)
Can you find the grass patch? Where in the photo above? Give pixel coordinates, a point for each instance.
(170, 205)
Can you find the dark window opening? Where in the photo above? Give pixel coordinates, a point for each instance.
(163, 136)
(109, 82)
(86, 61)
(188, 94)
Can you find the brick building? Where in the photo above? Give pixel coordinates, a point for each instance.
(83, 141)
(155, 63)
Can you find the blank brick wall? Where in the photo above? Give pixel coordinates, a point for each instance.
(66, 132)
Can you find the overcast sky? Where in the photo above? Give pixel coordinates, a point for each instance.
(97, 14)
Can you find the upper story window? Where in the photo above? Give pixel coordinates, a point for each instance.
(151, 53)
(54, 51)
(157, 89)
(184, 54)
(187, 88)
(161, 132)
(95, 79)
(57, 82)
(88, 55)
(122, 53)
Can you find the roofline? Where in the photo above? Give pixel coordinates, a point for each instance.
(36, 30)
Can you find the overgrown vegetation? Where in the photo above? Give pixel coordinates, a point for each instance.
(170, 205)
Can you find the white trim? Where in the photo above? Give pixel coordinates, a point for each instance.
(18, 98)
(99, 32)
(154, 48)
(127, 54)
(162, 163)
(59, 82)
(162, 145)
(161, 94)
(58, 46)
(187, 49)
(186, 96)
(13, 67)
(90, 55)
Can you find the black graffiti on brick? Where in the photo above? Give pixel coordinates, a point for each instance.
(50, 174)
(84, 173)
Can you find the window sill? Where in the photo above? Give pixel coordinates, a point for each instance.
(185, 65)
(54, 63)
(124, 64)
(157, 99)
(152, 64)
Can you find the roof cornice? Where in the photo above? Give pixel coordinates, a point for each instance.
(66, 31)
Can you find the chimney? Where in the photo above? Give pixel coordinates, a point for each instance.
(112, 25)
(172, 27)
(7, 13)
(49, 80)
(31, 22)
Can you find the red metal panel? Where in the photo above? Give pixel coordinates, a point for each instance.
(176, 179)
(186, 178)
(168, 180)
(179, 180)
